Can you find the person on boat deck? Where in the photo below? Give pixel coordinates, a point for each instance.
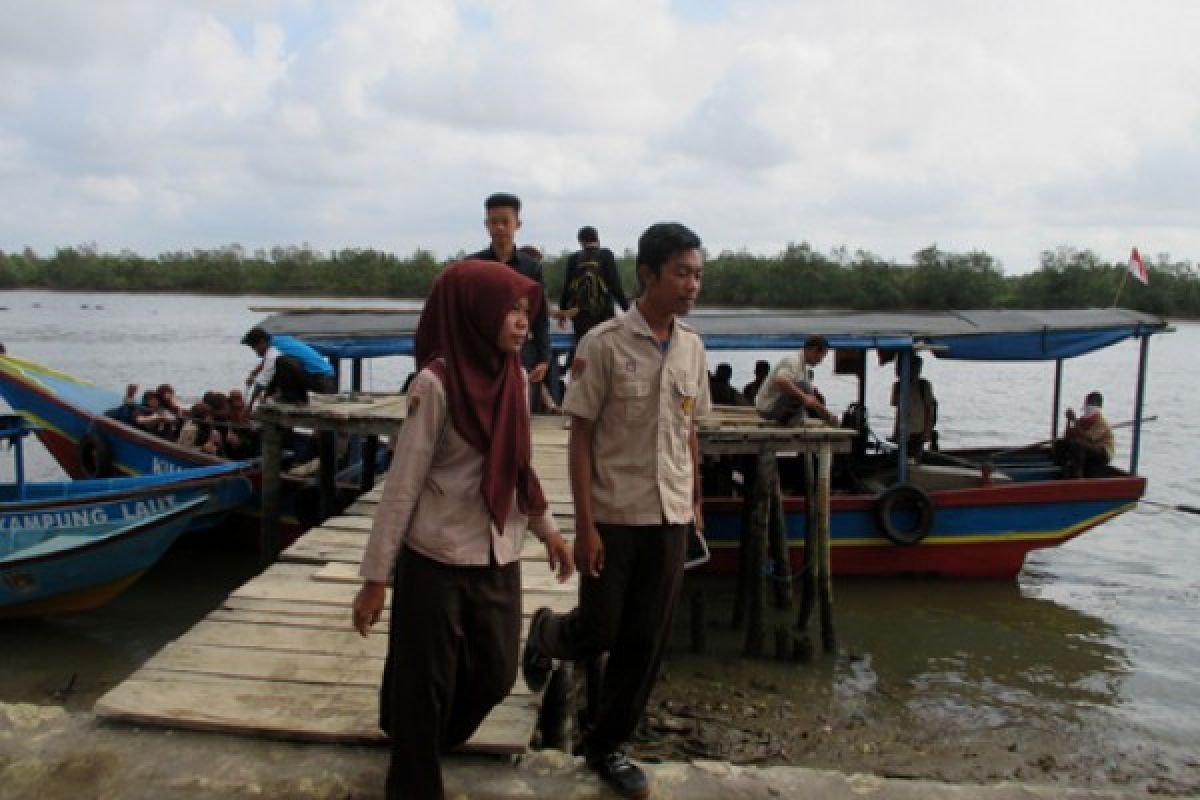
(788, 394)
(289, 370)
(921, 405)
(152, 417)
(720, 388)
(639, 382)
(239, 414)
(129, 407)
(450, 523)
(761, 370)
(1087, 445)
(502, 218)
(167, 399)
(199, 432)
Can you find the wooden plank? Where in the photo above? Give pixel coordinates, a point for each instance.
(284, 636)
(324, 593)
(357, 669)
(289, 639)
(290, 710)
(360, 664)
(534, 576)
(334, 620)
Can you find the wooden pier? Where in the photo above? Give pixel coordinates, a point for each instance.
(280, 658)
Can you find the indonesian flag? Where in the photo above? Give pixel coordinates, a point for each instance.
(1137, 267)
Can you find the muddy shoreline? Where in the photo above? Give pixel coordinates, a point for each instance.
(710, 710)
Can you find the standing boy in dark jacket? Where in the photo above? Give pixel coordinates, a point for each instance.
(502, 220)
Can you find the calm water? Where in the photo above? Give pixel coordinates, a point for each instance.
(1103, 632)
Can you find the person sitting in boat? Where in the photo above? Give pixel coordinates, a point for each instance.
(922, 409)
(290, 369)
(720, 388)
(761, 370)
(200, 432)
(1087, 445)
(129, 407)
(788, 395)
(152, 417)
(168, 401)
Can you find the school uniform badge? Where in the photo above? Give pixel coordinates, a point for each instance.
(688, 404)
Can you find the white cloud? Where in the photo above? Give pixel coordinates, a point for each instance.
(1010, 128)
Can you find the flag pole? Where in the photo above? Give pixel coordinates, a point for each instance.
(1120, 286)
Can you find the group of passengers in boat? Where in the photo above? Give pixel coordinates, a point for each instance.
(219, 424)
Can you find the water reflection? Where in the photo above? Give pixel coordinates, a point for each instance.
(71, 660)
(953, 654)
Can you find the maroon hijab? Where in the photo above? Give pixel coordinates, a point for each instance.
(486, 390)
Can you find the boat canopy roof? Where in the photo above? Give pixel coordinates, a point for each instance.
(1010, 335)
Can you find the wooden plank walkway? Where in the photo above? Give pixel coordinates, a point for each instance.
(280, 658)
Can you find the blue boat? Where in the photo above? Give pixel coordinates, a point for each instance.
(71, 419)
(964, 513)
(73, 545)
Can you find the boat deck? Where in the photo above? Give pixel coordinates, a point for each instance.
(279, 658)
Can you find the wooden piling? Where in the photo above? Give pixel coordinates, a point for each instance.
(808, 574)
(749, 466)
(781, 574)
(824, 556)
(327, 453)
(370, 454)
(268, 540)
(756, 552)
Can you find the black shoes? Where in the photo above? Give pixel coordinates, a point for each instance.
(620, 773)
(536, 665)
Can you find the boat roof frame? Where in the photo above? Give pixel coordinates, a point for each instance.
(981, 335)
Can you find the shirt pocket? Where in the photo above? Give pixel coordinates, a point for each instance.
(631, 398)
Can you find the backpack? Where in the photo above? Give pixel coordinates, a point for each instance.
(589, 287)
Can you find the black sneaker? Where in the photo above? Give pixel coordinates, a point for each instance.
(536, 665)
(620, 773)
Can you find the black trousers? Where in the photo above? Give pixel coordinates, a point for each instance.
(452, 657)
(291, 384)
(627, 612)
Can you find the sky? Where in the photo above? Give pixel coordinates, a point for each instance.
(884, 126)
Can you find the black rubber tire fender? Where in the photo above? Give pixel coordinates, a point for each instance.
(904, 496)
(95, 455)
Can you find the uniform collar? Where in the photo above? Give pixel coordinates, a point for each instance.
(636, 323)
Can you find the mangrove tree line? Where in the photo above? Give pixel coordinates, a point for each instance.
(797, 277)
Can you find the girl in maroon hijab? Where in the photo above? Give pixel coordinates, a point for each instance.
(447, 533)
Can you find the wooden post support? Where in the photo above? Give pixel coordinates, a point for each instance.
(756, 555)
(370, 454)
(749, 464)
(327, 452)
(808, 573)
(824, 559)
(781, 575)
(272, 445)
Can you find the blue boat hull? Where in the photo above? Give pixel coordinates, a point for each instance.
(72, 569)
